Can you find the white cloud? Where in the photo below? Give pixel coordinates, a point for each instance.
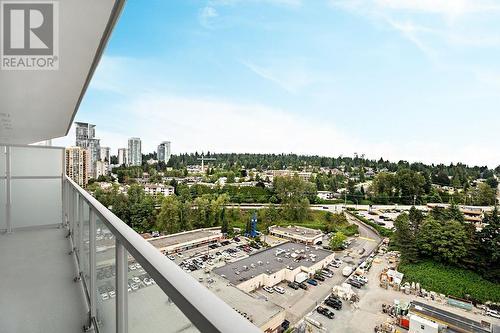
(207, 14)
(289, 75)
(286, 3)
(448, 9)
(216, 125)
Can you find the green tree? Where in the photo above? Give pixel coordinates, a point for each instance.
(483, 195)
(337, 240)
(169, 217)
(224, 221)
(405, 238)
(293, 194)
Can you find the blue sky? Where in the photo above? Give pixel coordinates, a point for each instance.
(399, 79)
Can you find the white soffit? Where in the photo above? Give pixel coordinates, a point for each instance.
(36, 105)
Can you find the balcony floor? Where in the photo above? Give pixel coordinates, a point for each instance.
(37, 292)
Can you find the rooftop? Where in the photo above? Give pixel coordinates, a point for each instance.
(297, 231)
(291, 255)
(185, 237)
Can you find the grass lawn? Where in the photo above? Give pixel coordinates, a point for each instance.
(317, 220)
(451, 280)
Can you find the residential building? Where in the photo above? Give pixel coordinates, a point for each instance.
(85, 138)
(134, 152)
(326, 195)
(159, 189)
(77, 164)
(101, 169)
(105, 154)
(163, 151)
(123, 156)
(84, 132)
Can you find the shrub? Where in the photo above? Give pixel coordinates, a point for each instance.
(450, 280)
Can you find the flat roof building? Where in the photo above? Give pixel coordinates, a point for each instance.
(297, 234)
(273, 265)
(186, 240)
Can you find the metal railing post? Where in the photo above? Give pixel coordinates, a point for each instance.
(74, 213)
(121, 288)
(80, 227)
(8, 201)
(92, 257)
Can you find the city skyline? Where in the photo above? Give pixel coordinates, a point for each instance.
(225, 77)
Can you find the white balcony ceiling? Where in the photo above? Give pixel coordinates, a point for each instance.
(37, 105)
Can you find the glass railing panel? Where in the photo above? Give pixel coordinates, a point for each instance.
(49, 161)
(36, 202)
(149, 309)
(105, 278)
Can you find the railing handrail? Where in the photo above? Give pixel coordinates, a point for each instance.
(204, 309)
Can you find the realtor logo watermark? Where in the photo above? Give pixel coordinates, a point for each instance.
(29, 35)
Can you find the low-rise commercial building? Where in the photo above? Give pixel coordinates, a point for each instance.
(275, 264)
(186, 240)
(297, 234)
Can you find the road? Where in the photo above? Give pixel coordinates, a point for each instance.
(341, 207)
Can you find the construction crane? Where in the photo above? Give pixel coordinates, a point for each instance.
(203, 159)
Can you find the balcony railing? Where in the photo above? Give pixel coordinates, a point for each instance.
(108, 254)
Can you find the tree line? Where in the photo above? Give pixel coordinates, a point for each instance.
(444, 236)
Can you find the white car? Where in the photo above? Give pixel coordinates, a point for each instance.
(279, 290)
(147, 281)
(338, 261)
(136, 279)
(134, 286)
(334, 265)
(129, 289)
(112, 294)
(360, 278)
(138, 266)
(171, 257)
(132, 267)
(268, 289)
(180, 255)
(493, 313)
(104, 296)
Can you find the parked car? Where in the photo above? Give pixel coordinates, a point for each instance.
(333, 304)
(268, 289)
(325, 312)
(279, 289)
(294, 285)
(361, 278)
(334, 265)
(354, 283)
(312, 282)
(326, 273)
(319, 277)
(302, 285)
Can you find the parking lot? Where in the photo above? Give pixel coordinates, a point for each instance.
(368, 311)
(382, 218)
